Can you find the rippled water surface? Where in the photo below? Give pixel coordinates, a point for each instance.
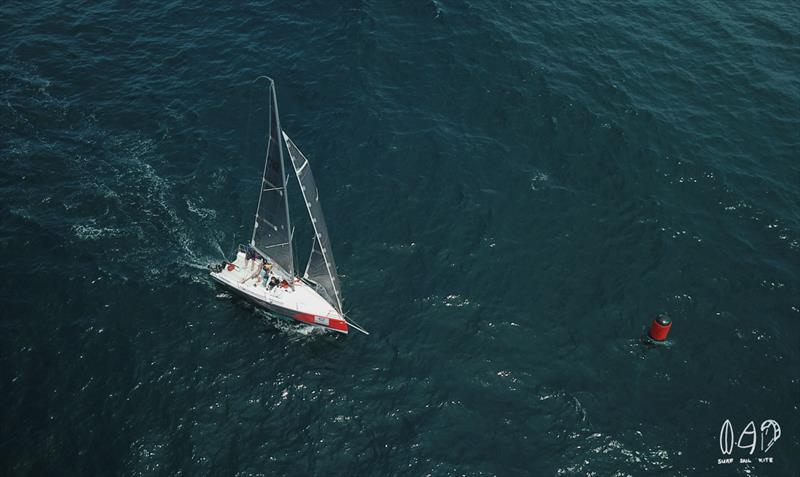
(513, 189)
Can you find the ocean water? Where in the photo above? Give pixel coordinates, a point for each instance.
(513, 189)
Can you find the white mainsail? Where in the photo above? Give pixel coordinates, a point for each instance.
(321, 268)
(272, 230)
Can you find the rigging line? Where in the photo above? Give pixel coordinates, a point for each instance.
(249, 130)
(284, 175)
(350, 322)
(354, 324)
(264, 219)
(266, 160)
(275, 245)
(265, 181)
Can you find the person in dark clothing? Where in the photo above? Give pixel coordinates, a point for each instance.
(250, 256)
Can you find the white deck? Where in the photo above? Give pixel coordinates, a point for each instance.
(303, 298)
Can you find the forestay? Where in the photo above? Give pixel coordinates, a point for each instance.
(272, 231)
(321, 268)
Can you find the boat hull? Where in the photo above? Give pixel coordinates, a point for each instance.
(328, 323)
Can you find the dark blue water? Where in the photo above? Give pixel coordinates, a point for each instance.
(513, 190)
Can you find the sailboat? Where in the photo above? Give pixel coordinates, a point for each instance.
(315, 298)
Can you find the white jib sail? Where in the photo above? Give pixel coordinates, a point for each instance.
(321, 268)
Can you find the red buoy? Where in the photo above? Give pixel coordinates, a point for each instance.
(660, 328)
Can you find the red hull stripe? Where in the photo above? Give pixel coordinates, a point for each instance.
(339, 325)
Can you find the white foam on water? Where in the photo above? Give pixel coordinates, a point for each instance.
(203, 213)
(453, 300)
(91, 232)
(538, 179)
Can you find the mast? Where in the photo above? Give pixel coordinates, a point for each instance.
(272, 233)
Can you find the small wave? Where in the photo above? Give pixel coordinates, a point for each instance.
(401, 248)
(585, 462)
(90, 232)
(293, 328)
(450, 301)
(201, 212)
(538, 179)
(21, 213)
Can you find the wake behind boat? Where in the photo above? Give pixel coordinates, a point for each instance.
(264, 271)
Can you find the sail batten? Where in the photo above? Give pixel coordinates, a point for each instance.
(321, 268)
(271, 230)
